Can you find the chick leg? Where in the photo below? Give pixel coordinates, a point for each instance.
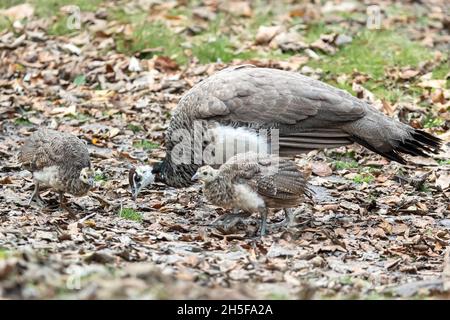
(231, 217)
(35, 195)
(288, 219)
(229, 220)
(63, 204)
(263, 221)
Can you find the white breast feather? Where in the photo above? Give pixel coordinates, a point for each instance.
(247, 199)
(230, 141)
(47, 176)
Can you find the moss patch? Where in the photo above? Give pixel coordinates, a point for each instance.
(130, 214)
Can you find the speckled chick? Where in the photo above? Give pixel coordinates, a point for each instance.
(254, 183)
(57, 160)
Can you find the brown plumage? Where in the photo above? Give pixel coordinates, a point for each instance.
(57, 160)
(308, 113)
(254, 183)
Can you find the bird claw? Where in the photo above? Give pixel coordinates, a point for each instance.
(227, 222)
(37, 200)
(103, 202)
(63, 206)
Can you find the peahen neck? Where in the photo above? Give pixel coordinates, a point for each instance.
(174, 175)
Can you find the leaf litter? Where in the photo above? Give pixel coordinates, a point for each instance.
(374, 229)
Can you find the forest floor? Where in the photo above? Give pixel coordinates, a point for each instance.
(376, 230)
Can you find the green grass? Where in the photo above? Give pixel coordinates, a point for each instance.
(432, 122)
(145, 144)
(442, 70)
(151, 35)
(346, 280)
(372, 51)
(425, 188)
(81, 117)
(79, 80)
(48, 8)
(206, 47)
(4, 4)
(443, 162)
(60, 27)
(51, 8)
(130, 214)
(346, 156)
(340, 165)
(218, 49)
(314, 31)
(134, 128)
(100, 177)
(263, 15)
(277, 296)
(361, 178)
(118, 14)
(4, 253)
(5, 23)
(22, 121)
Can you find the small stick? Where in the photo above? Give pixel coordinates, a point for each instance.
(87, 217)
(104, 203)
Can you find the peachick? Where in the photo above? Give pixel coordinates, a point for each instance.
(57, 160)
(254, 183)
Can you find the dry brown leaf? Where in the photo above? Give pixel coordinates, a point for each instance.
(18, 12)
(165, 64)
(443, 181)
(321, 169)
(239, 8)
(408, 74)
(6, 180)
(266, 33)
(433, 83)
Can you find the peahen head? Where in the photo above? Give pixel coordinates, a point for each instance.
(139, 178)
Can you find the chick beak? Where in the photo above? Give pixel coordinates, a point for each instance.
(195, 177)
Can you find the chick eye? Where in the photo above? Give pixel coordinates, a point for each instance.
(204, 173)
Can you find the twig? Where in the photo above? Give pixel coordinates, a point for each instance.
(415, 182)
(228, 236)
(103, 202)
(87, 217)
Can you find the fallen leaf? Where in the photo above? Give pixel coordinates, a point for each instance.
(408, 74)
(239, 8)
(6, 180)
(321, 169)
(164, 64)
(443, 181)
(18, 12)
(134, 65)
(71, 48)
(266, 34)
(432, 83)
(64, 111)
